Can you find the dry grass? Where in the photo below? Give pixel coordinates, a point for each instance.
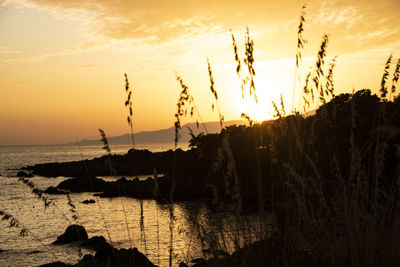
(330, 207)
(346, 218)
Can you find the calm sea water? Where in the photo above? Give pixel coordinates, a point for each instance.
(106, 217)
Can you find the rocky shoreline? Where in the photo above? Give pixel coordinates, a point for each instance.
(135, 162)
(106, 255)
(190, 182)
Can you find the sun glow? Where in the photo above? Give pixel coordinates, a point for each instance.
(271, 82)
(257, 112)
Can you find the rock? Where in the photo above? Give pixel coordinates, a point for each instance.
(182, 264)
(73, 233)
(25, 174)
(83, 184)
(90, 261)
(55, 191)
(133, 188)
(33, 252)
(96, 243)
(105, 255)
(88, 201)
(123, 257)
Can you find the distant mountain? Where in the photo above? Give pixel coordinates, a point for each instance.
(165, 135)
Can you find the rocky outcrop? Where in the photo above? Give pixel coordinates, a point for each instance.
(117, 257)
(135, 162)
(83, 184)
(96, 243)
(25, 174)
(33, 252)
(105, 256)
(88, 201)
(188, 187)
(55, 191)
(134, 188)
(74, 233)
(190, 178)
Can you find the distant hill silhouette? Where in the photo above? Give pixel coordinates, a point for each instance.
(165, 135)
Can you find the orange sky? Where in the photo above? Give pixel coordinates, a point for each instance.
(62, 61)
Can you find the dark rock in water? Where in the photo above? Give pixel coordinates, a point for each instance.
(56, 264)
(122, 257)
(73, 233)
(88, 201)
(134, 188)
(83, 184)
(33, 252)
(25, 174)
(89, 261)
(55, 191)
(107, 256)
(96, 243)
(136, 162)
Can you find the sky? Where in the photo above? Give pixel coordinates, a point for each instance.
(62, 62)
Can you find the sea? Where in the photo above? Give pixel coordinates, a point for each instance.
(117, 219)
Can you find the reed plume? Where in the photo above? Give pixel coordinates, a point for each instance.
(384, 90)
(72, 207)
(300, 46)
(396, 75)
(184, 105)
(14, 223)
(215, 94)
(128, 104)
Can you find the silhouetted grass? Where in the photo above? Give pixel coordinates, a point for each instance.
(332, 211)
(330, 182)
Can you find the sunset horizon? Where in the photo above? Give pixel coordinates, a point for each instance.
(63, 61)
(154, 133)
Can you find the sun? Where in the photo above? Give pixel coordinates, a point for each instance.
(256, 111)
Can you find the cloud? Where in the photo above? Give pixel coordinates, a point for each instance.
(181, 24)
(339, 17)
(379, 34)
(162, 19)
(76, 50)
(6, 50)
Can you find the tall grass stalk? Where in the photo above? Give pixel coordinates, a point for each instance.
(113, 172)
(300, 46)
(128, 104)
(155, 193)
(395, 79)
(248, 80)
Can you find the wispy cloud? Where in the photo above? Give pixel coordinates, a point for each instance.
(379, 34)
(6, 50)
(346, 17)
(179, 25)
